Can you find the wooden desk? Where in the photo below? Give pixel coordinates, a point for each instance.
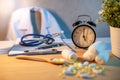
(15, 69)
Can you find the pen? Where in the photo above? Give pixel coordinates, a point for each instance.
(38, 52)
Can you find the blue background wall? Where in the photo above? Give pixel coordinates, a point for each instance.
(65, 11)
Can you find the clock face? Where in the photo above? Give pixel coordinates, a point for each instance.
(83, 36)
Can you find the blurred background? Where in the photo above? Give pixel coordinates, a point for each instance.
(65, 11)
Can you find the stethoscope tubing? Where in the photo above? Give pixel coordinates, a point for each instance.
(33, 42)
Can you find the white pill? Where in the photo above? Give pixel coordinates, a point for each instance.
(54, 59)
(86, 63)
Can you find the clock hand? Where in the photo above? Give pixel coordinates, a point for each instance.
(87, 35)
(84, 37)
(84, 34)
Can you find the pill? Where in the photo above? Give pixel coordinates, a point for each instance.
(92, 65)
(78, 64)
(68, 72)
(85, 75)
(61, 60)
(98, 70)
(86, 63)
(71, 67)
(54, 59)
(58, 60)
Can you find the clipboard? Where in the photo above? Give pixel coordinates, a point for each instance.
(18, 49)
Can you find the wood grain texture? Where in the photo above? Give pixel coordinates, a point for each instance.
(15, 69)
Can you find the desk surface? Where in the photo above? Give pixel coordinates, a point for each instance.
(15, 69)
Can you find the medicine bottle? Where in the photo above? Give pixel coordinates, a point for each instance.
(69, 54)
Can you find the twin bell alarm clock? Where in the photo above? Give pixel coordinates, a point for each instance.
(83, 34)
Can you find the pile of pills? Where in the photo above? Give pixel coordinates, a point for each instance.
(83, 70)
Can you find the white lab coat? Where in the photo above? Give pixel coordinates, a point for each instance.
(20, 20)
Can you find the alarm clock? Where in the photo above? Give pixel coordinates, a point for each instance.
(83, 34)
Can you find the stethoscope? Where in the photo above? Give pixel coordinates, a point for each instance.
(38, 39)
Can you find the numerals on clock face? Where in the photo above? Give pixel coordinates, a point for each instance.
(83, 36)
